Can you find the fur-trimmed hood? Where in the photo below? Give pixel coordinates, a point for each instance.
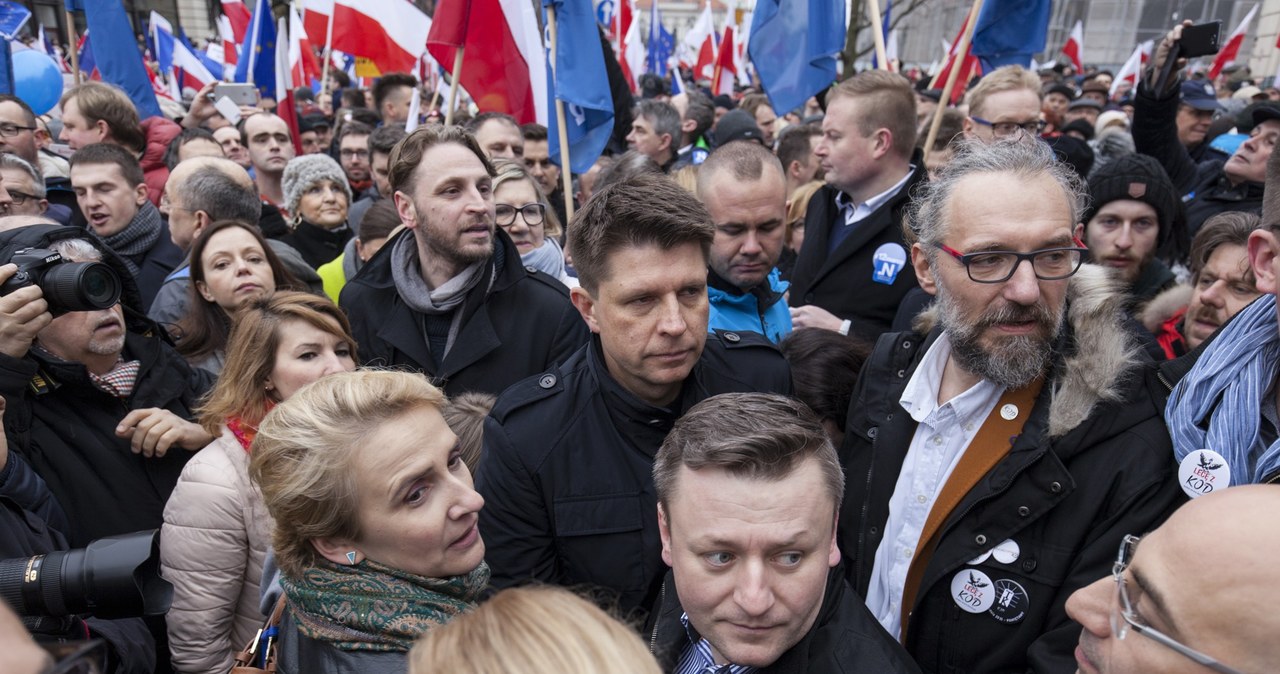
(1095, 354)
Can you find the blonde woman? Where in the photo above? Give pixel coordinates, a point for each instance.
(522, 211)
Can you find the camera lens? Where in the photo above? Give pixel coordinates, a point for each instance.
(114, 577)
(81, 286)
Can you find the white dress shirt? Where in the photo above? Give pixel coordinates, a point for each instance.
(855, 213)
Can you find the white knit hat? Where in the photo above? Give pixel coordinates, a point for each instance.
(303, 172)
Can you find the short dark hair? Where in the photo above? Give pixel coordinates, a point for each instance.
(1223, 229)
(110, 153)
(385, 137)
(26, 109)
(388, 83)
(407, 154)
(795, 145)
(647, 209)
(702, 111)
(343, 79)
(533, 131)
(354, 128)
(824, 369)
(211, 190)
(379, 221)
(746, 162)
(354, 99)
(756, 436)
(184, 137)
(473, 125)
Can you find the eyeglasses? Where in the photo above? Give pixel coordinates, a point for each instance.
(998, 266)
(1123, 616)
(354, 154)
(1012, 129)
(533, 214)
(11, 130)
(20, 198)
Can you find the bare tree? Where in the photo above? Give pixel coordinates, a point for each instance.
(851, 53)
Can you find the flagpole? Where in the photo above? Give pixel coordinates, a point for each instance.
(566, 175)
(877, 33)
(328, 56)
(456, 76)
(73, 48)
(957, 64)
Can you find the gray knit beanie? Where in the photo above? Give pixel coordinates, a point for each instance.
(303, 172)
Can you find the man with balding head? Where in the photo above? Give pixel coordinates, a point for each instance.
(1198, 594)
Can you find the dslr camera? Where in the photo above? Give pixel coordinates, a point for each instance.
(67, 286)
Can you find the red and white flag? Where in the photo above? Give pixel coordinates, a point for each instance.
(726, 70)
(970, 67)
(315, 20)
(238, 15)
(303, 64)
(285, 104)
(699, 47)
(504, 67)
(230, 48)
(1231, 49)
(1132, 68)
(1075, 46)
(630, 45)
(390, 33)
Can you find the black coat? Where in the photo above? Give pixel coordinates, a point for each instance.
(318, 245)
(842, 282)
(523, 325)
(64, 426)
(162, 258)
(1068, 501)
(845, 637)
(567, 468)
(1202, 185)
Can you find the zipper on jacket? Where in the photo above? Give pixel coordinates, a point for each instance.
(866, 505)
(1160, 376)
(653, 638)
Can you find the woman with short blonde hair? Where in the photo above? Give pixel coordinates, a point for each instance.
(521, 209)
(533, 630)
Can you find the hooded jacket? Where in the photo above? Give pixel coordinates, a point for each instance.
(159, 132)
(762, 309)
(1091, 465)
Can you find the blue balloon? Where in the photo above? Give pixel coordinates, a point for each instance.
(36, 80)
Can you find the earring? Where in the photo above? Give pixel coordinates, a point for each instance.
(351, 557)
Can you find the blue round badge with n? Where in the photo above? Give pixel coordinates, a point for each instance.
(889, 259)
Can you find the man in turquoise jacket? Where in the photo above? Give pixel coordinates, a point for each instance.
(744, 188)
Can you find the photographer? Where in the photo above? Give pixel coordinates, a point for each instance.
(1210, 186)
(96, 399)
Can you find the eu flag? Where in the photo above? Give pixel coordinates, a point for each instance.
(793, 46)
(581, 82)
(661, 43)
(1010, 32)
(258, 57)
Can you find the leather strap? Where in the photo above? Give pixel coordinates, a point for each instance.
(991, 444)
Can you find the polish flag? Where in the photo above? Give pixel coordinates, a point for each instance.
(1074, 46)
(623, 37)
(286, 107)
(726, 70)
(315, 19)
(1232, 48)
(635, 54)
(699, 46)
(303, 64)
(970, 67)
(238, 15)
(504, 65)
(1132, 67)
(390, 33)
(229, 55)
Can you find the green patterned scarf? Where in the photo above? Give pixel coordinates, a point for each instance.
(371, 607)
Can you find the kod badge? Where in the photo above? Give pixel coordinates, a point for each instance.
(972, 591)
(1011, 602)
(889, 259)
(1203, 471)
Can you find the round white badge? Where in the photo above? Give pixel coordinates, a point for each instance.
(1007, 552)
(972, 591)
(1203, 471)
(1009, 412)
(980, 558)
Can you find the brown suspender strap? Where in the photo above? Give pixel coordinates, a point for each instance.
(992, 442)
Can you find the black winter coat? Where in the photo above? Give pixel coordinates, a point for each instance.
(1067, 500)
(845, 637)
(844, 282)
(524, 325)
(64, 427)
(567, 468)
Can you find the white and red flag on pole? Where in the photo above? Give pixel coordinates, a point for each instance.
(699, 46)
(238, 16)
(970, 67)
(284, 81)
(726, 69)
(1074, 46)
(504, 64)
(1132, 67)
(1227, 55)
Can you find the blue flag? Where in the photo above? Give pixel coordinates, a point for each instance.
(1010, 32)
(258, 56)
(581, 82)
(661, 43)
(793, 46)
(215, 68)
(888, 10)
(12, 18)
(116, 55)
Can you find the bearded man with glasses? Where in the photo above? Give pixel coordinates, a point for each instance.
(996, 458)
(1196, 595)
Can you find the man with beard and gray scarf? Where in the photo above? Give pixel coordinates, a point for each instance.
(448, 296)
(997, 457)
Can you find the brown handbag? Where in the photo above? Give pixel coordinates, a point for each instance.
(245, 660)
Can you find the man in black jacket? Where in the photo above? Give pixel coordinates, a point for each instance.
(449, 296)
(748, 490)
(995, 462)
(566, 470)
(1210, 186)
(852, 272)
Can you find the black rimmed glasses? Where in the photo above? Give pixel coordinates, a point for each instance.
(1124, 617)
(533, 214)
(1012, 129)
(998, 266)
(20, 198)
(10, 130)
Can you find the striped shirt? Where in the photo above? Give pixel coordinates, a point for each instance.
(697, 658)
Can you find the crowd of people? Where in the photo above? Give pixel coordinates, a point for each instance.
(787, 393)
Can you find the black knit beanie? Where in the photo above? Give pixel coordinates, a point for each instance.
(1140, 178)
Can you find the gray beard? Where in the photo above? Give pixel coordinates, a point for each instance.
(1017, 360)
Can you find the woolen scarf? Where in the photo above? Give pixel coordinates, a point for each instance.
(371, 607)
(1226, 387)
(547, 258)
(407, 274)
(133, 242)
